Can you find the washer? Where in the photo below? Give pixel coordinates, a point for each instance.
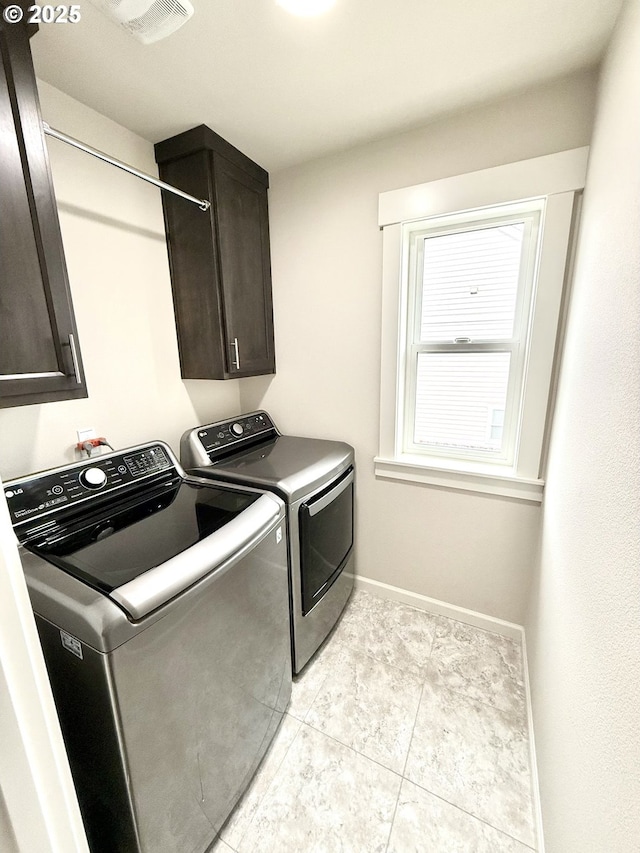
(315, 478)
(162, 606)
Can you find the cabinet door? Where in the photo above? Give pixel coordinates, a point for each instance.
(245, 268)
(193, 261)
(39, 356)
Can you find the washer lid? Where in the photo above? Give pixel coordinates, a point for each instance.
(288, 465)
(126, 540)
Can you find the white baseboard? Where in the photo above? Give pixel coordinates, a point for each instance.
(535, 782)
(478, 620)
(432, 605)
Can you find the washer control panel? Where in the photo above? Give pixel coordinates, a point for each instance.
(225, 436)
(43, 493)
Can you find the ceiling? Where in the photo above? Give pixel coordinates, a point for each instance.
(286, 89)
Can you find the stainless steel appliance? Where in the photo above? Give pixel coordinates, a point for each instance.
(315, 478)
(162, 606)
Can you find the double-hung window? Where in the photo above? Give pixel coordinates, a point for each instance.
(470, 286)
(472, 291)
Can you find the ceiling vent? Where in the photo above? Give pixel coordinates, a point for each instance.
(147, 20)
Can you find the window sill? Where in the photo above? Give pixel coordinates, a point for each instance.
(468, 477)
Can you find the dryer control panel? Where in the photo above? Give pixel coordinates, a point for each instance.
(61, 488)
(221, 438)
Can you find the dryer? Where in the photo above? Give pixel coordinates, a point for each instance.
(316, 480)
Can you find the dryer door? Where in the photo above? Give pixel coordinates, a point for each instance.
(326, 538)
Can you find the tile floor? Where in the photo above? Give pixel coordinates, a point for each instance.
(407, 732)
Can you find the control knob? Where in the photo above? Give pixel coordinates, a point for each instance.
(237, 429)
(93, 478)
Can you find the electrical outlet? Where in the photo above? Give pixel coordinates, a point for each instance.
(85, 434)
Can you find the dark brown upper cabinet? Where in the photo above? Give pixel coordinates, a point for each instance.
(219, 258)
(39, 351)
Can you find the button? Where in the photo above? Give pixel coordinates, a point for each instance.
(57, 490)
(122, 469)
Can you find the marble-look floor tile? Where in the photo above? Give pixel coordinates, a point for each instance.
(307, 685)
(241, 817)
(369, 706)
(389, 631)
(424, 823)
(476, 757)
(480, 664)
(220, 846)
(326, 797)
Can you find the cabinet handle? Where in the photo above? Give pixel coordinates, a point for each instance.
(237, 349)
(74, 358)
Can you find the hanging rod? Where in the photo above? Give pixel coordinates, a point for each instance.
(202, 203)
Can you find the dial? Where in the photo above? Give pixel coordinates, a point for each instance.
(237, 429)
(93, 478)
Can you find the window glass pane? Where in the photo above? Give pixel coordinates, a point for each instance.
(470, 282)
(460, 399)
(497, 422)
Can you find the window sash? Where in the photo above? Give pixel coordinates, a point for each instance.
(514, 386)
(420, 246)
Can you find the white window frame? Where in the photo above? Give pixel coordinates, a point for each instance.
(555, 180)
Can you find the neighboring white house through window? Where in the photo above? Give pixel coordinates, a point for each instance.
(474, 268)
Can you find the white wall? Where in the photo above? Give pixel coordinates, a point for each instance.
(8, 842)
(113, 234)
(471, 550)
(583, 629)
